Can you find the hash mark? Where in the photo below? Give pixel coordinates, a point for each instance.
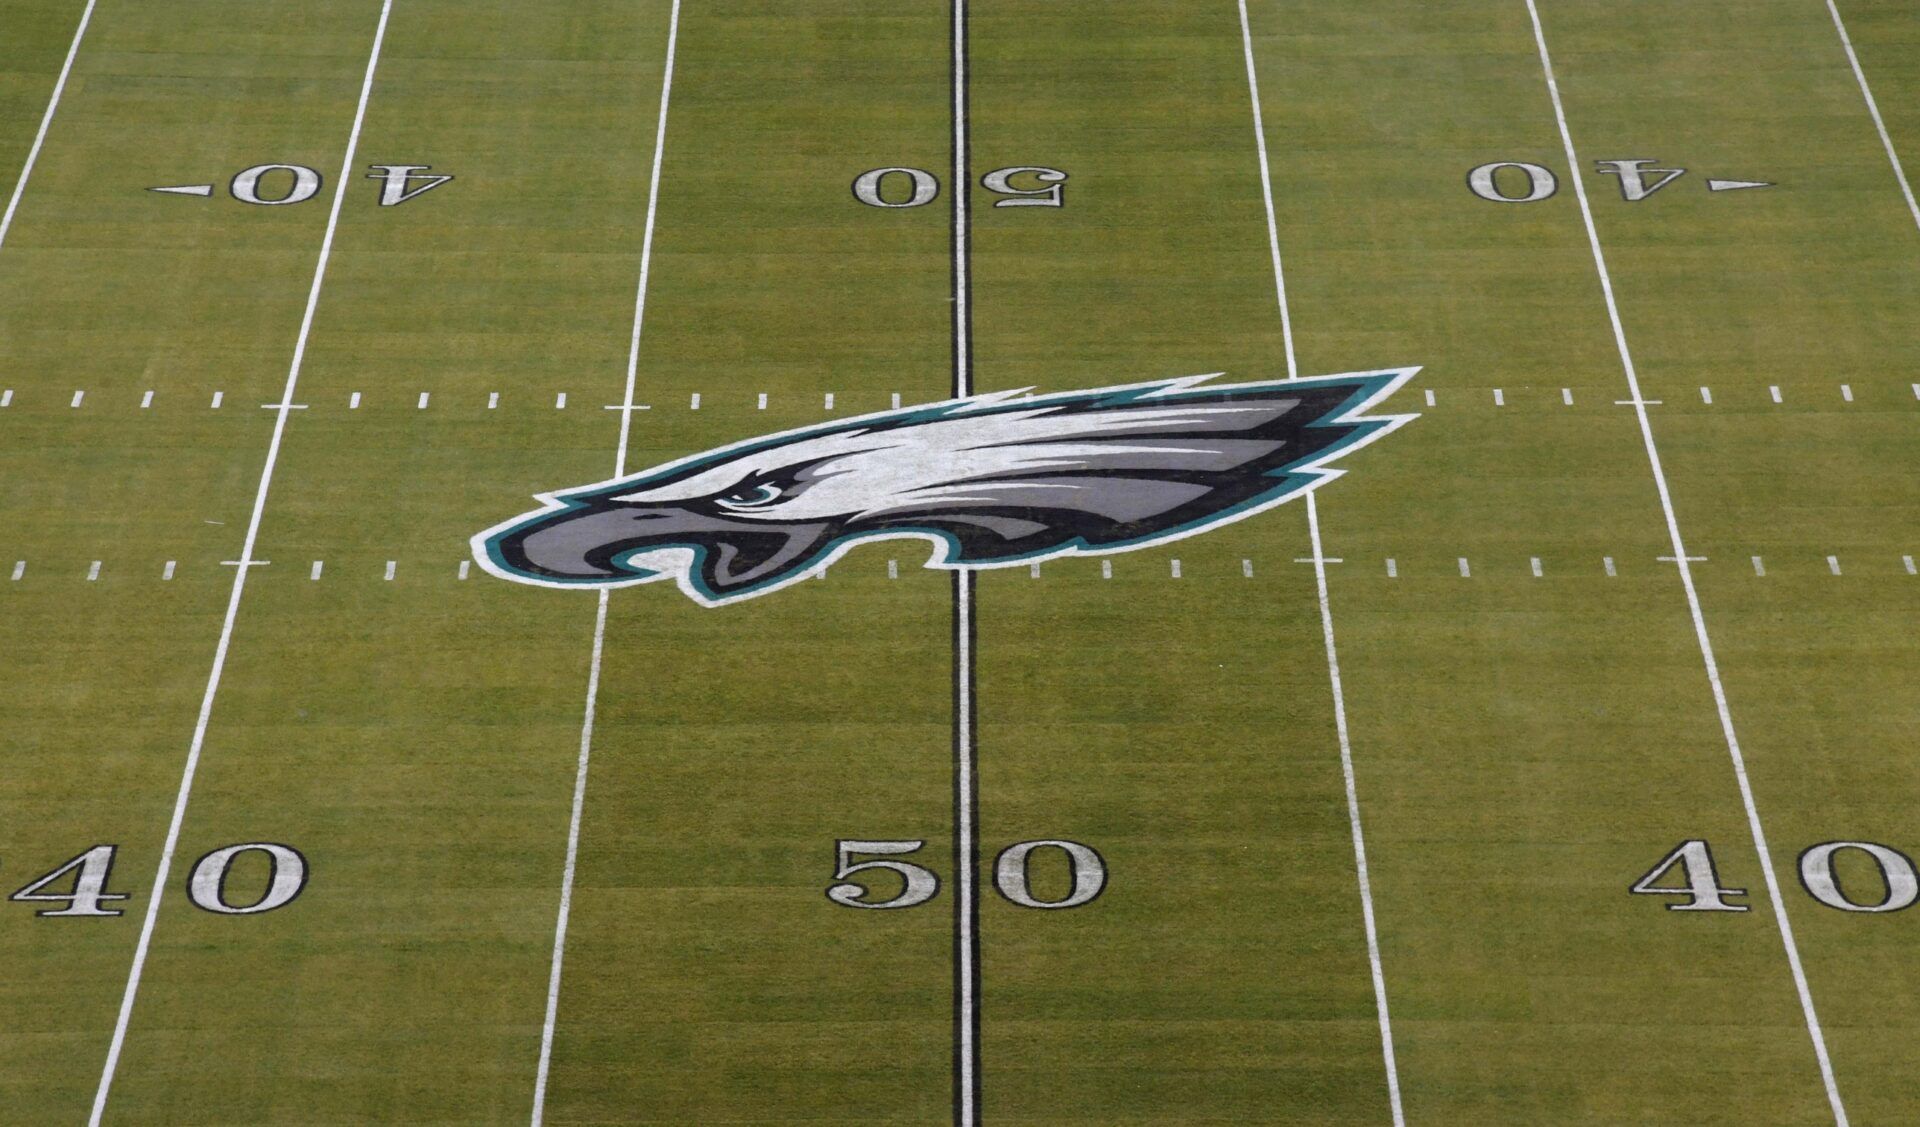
(1566, 396)
(1537, 573)
(1246, 568)
(893, 569)
(493, 400)
(6, 398)
(422, 405)
(1706, 395)
(77, 397)
(762, 404)
(1430, 397)
(1033, 570)
(146, 400)
(829, 405)
(353, 402)
(1846, 392)
(1908, 560)
(1106, 569)
(464, 564)
(217, 397)
(1465, 571)
(390, 566)
(1499, 398)
(19, 569)
(694, 405)
(1774, 390)
(560, 401)
(1176, 569)
(1833, 564)
(1916, 391)
(318, 567)
(896, 398)
(1758, 567)
(1608, 561)
(93, 571)
(1393, 569)
(167, 571)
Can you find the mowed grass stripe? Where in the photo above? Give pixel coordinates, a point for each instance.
(1182, 727)
(104, 694)
(416, 737)
(46, 120)
(1525, 744)
(733, 747)
(1815, 670)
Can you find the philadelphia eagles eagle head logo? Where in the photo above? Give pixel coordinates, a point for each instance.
(991, 480)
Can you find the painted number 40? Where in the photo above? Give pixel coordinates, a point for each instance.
(1690, 876)
(81, 883)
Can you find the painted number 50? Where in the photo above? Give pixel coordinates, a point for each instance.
(919, 885)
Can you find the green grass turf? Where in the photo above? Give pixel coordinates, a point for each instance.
(1524, 747)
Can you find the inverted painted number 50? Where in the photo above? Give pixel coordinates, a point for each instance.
(920, 886)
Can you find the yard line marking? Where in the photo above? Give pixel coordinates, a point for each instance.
(1326, 603)
(1608, 562)
(1685, 569)
(1759, 568)
(1873, 108)
(146, 400)
(1466, 572)
(46, 120)
(167, 572)
(159, 888)
(966, 819)
(1833, 564)
(571, 865)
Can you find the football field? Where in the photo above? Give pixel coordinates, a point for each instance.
(959, 562)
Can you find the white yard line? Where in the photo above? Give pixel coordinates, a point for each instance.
(966, 909)
(46, 120)
(241, 567)
(1681, 561)
(1326, 611)
(1873, 108)
(565, 910)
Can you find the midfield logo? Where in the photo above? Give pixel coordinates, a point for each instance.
(992, 481)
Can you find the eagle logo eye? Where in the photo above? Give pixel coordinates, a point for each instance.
(747, 498)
